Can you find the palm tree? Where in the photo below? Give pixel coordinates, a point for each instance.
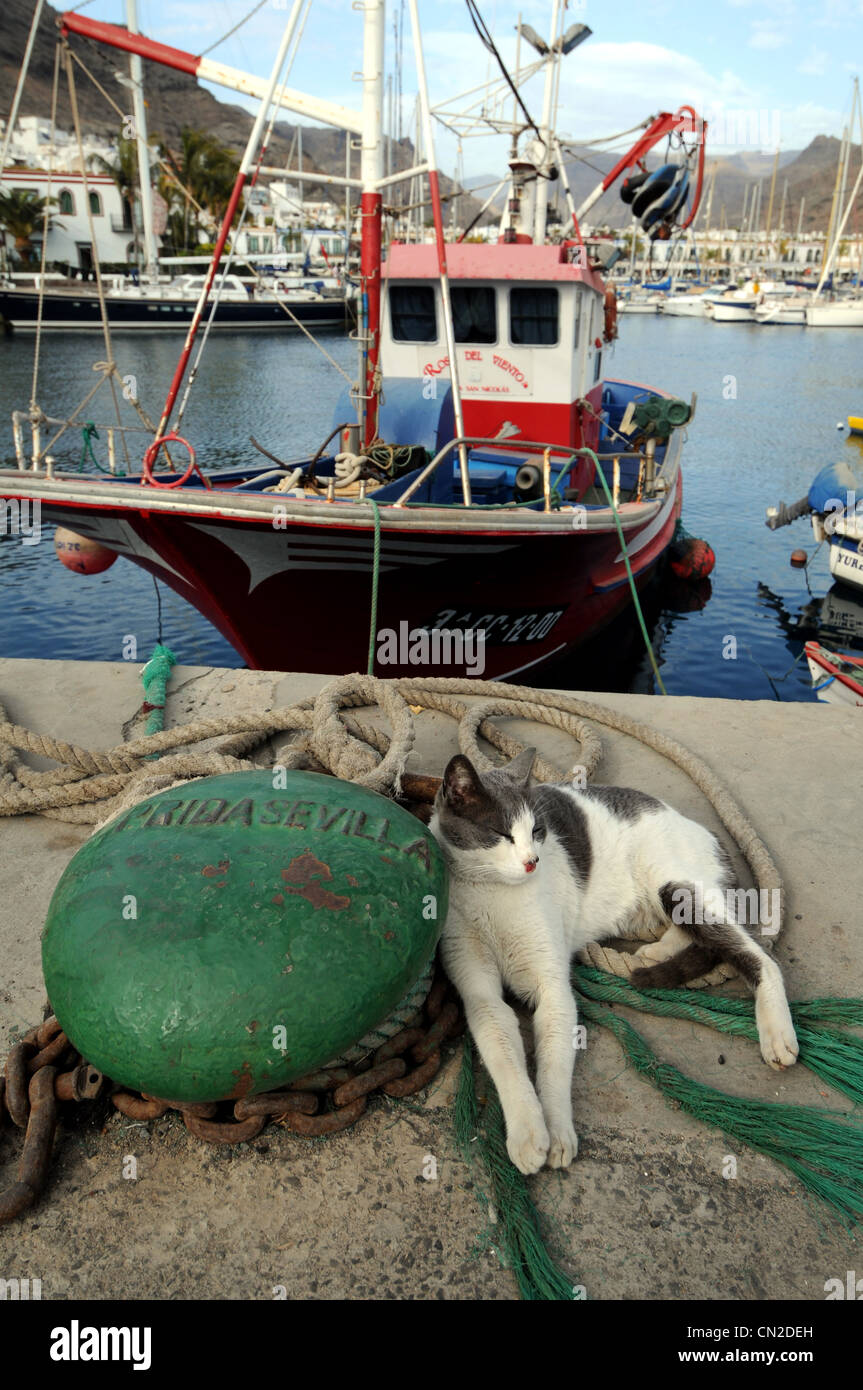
(21, 212)
(207, 171)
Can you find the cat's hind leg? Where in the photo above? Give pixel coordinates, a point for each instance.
(671, 943)
(707, 914)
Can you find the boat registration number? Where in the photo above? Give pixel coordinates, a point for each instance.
(848, 560)
(515, 625)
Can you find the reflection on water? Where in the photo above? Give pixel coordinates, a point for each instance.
(768, 403)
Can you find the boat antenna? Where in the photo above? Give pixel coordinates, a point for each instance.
(486, 39)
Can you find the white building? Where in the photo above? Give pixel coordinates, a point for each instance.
(70, 242)
(31, 145)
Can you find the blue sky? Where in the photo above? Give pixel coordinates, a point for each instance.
(762, 71)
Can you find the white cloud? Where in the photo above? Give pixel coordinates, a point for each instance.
(815, 64)
(766, 35)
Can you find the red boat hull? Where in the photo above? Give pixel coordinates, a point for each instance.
(300, 598)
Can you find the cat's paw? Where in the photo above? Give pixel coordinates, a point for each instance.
(651, 953)
(527, 1144)
(563, 1146)
(779, 1046)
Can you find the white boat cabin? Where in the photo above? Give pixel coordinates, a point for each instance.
(528, 323)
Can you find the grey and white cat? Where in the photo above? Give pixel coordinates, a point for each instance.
(537, 872)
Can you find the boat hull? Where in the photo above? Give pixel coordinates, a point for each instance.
(835, 315)
(685, 307)
(846, 560)
(298, 596)
(780, 314)
(833, 683)
(68, 312)
(732, 313)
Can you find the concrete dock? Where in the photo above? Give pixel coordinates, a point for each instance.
(645, 1212)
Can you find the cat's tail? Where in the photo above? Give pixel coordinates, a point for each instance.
(687, 965)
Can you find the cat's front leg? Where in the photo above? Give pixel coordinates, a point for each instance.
(554, 1024)
(494, 1026)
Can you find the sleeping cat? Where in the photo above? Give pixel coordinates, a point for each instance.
(537, 871)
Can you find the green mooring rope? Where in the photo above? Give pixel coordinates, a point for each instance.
(155, 677)
(88, 434)
(376, 571)
(823, 1149)
(512, 1213)
(635, 599)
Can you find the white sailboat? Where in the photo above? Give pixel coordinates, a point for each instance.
(840, 310)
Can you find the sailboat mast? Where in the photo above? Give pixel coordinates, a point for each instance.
(769, 225)
(371, 202)
(136, 72)
(434, 194)
(541, 205)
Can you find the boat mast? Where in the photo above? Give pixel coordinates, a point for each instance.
(434, 193)
(136, 72)
(541, 204)
(371, 203)
(834, 232)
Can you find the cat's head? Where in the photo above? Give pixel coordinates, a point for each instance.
(485, 821)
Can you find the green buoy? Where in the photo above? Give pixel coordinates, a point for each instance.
(229, 936)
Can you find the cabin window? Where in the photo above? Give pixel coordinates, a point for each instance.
(578, 299)
(412, 314)
(66, 203)
(474, 317)
(533, 317)
(95, 205)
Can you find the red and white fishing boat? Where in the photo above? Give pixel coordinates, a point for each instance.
(837, 677)
(491, 478)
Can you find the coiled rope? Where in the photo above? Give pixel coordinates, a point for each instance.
(91, 785)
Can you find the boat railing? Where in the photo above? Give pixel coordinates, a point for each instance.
(472, 441)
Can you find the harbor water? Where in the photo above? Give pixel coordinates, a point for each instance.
(769, 400)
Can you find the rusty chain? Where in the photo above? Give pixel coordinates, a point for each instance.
(43, 1070)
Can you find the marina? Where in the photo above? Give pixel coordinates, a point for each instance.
(383, 564)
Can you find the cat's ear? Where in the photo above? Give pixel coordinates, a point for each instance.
(521, 767)
(461, 784)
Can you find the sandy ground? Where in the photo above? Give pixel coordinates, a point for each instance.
(644, 1213)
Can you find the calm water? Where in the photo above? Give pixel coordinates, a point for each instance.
(769, 400)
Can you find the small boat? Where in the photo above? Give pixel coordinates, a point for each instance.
(855, 424)
(837, 677)
(834, 504)
(735, 306)
(691, 303)
(781, 309)
(640, 302)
